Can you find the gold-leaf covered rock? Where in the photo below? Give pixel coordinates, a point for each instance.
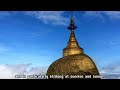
(78, 64)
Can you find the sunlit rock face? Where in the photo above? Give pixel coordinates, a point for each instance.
(78, 64)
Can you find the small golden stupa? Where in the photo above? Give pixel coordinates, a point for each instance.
(74, 61)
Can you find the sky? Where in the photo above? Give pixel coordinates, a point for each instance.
(32, 40)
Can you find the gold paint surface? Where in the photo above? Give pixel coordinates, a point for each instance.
(72, 47)
(73, 64)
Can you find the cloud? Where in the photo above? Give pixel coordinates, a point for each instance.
(113, 14)
(59, 18)
(4, 48)
(54, 17)
(111, 71)
(101, 14)
(93, 13)
(113, 43)
(111, 76)
(9, 71)
(111, 68)
(4, 14)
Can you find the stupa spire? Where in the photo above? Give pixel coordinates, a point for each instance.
(74, 61)
(73, 46)
(72, 26)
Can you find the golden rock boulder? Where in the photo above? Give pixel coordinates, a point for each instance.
(78, 64)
